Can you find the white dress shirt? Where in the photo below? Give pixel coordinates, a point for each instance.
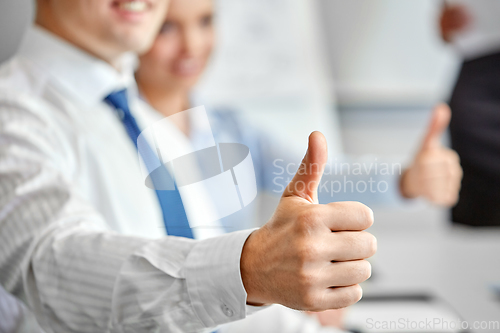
(81, 237)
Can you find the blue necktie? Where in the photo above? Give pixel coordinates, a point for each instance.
(174, 215)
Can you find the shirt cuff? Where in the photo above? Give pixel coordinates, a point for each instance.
(214, 279)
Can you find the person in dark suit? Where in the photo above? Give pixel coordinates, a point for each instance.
(475, 101)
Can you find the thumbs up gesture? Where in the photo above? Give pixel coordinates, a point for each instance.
(435, 173)
(309, 256)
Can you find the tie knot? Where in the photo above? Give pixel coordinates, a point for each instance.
(119, 100)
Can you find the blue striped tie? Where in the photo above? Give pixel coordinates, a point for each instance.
(174, 214)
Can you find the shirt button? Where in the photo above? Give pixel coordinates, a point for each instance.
(227, 311)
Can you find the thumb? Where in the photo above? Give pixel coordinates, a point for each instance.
(306, 181)
(439, 122)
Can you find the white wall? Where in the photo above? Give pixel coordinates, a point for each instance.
(270, 65)
(387, 52)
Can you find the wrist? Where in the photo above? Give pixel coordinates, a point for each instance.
(249, 272)
(405, 185)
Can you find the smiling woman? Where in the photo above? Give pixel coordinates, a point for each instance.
(180, 53)
(178, 58)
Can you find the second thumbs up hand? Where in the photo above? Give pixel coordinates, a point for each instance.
(435, 173)
(309, 256)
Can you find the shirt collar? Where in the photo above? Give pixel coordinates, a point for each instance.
(85, 77)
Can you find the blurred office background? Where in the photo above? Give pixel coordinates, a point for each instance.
(306, 65)
(373, 69)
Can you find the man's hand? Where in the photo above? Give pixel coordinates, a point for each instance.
(309, 256)
(435, 173)
(454, 18)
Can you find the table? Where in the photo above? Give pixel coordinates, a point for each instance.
(419, 250)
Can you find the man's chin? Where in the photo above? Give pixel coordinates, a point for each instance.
(143, 47)
(139, 42)
(135, 44)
